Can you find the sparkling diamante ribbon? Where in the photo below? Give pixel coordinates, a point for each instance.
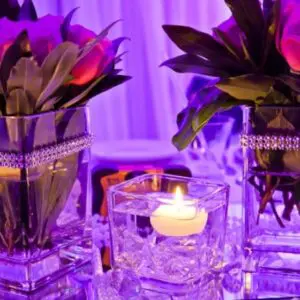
(271, 142)
(46, 154)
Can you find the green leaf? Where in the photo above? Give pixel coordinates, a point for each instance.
(56, 68)
(247, 55)
(18, 103)
(64, 28)
(186, 134)
(199, 43)
(20, 48)
(58, 182)
(189, 63)
(62, 180)
(49, 105)
(26, 75)
(246, 87)
(65, 121)
(204, 106)
(214, 101)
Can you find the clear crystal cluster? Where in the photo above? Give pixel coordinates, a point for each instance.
(46, 154)
(271, 142)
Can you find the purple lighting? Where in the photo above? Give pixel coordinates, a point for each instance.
(145, 107)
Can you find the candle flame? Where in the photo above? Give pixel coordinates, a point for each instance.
(178, 196)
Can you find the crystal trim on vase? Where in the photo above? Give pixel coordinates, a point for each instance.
(45, 154)
(271, 142)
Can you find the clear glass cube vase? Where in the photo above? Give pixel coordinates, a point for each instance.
(271, 189)
(44, 206)
(169, 230)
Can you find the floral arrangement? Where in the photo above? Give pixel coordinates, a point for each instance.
(252, 58)
(48, 64)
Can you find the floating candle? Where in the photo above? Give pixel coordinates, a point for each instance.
(178, 217)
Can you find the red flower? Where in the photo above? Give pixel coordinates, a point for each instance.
(288, 33)
(96, 61)
(44, 35)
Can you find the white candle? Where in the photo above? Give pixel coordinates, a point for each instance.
(178, 217)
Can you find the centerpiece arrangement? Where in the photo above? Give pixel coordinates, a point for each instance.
(49, 70)
(253, 60)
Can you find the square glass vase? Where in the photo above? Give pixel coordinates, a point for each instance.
(169, 230)
(271, 190)
(44, 203)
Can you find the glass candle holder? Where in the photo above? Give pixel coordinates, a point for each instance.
(169, 230)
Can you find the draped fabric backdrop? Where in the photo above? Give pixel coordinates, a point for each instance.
(146, 106)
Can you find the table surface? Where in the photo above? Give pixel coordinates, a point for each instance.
(227, 285)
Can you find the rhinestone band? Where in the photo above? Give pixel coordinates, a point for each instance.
(46, 154)
(271, 142)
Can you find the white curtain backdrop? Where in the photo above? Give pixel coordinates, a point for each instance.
(146, 106)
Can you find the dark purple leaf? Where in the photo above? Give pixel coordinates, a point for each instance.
(117, 42)
(20, 48)
(199, 43)
(9, 9)
(107, 83)
(89, 46)
(189, 63)
(194, 42)
(233, 49)
(80, 92)
(116, 71)
(270, 52)
(291, 81)
(267, 6)
(27, 11)
(118, 57)
(64, 29)
(249, 17)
